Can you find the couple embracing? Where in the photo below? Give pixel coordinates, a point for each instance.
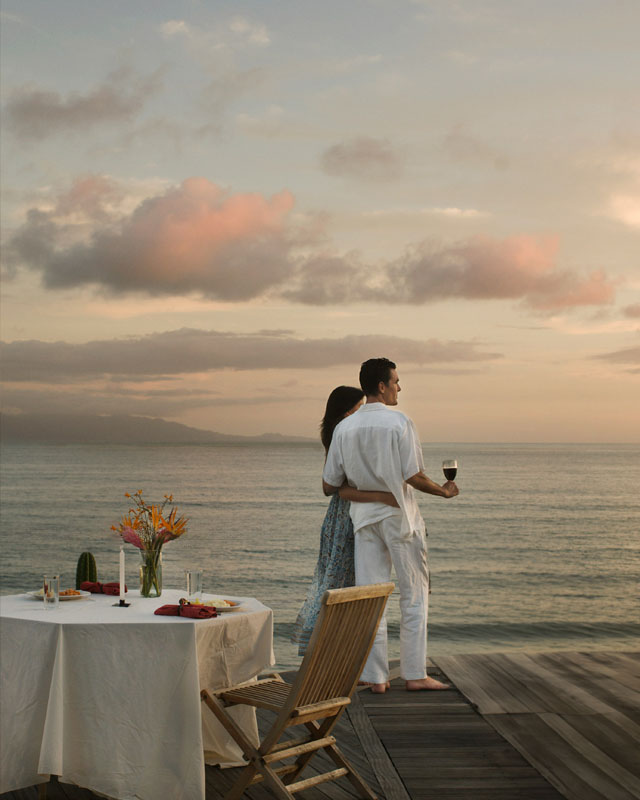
(373, 465)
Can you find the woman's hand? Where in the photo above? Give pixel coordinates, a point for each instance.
(388, 499)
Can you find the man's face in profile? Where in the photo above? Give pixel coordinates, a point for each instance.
(390, 389)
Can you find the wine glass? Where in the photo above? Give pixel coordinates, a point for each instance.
(450, 469)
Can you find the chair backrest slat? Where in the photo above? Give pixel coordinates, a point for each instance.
(340, 643)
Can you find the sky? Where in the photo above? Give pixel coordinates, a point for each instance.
(213, 212)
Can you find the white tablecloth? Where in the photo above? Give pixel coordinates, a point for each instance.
(108, 698)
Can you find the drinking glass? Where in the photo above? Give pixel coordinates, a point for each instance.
(194, 584)
(51, 591)
(450, 469)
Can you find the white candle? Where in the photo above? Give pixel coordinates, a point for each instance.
(121, 574)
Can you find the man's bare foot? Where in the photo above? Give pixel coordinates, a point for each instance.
(380, 688)
(424, 684)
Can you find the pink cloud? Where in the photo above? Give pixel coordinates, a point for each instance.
(483, 268)
(509, 267)
(194, 237)
(192, 231)
(566, 290)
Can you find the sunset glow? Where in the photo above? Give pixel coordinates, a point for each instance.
(212, 213)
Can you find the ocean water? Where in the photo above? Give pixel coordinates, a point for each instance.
(540, 551)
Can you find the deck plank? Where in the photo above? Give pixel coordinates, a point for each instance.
(620, 666)
(596, 749)
(488, 694)
(573, 774)
(388, 779)
(602, 688)
(556, 693)
(581, 726)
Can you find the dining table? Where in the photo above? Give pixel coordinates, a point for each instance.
(107, 697)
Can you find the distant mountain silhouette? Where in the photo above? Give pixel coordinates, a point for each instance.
(116, 429)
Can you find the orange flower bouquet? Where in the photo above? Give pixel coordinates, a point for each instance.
(148, 528)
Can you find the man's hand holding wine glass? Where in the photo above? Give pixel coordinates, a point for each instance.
(451, 489)
(448, 489)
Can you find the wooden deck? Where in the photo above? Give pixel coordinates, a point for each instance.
(574, 716)
(517, 726)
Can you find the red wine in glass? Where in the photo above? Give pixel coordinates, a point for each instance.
(450, 469)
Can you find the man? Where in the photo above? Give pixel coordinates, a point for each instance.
(378, 449)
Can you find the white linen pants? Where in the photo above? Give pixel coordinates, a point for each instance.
(377, 547)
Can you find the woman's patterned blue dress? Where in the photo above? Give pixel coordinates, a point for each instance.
(334, 569)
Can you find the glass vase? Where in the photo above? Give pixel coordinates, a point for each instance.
(151, 573)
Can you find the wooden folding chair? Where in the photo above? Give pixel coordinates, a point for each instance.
(336, 654)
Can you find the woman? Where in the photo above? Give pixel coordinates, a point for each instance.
(334, 569)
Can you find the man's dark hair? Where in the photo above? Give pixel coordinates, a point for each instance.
(374, 371)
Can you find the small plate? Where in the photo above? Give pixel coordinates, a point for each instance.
(39, 594)
(236, 604)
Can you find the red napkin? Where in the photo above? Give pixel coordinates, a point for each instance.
(186, 610)
(95, 587)
(198, 612)
(168, 611)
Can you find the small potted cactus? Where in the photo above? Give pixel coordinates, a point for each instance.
(86, 569)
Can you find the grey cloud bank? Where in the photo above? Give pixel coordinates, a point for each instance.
(36, 113)
(363, 157)
(189, 351)
(629, 355)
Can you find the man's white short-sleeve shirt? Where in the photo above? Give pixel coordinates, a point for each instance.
(377, 449)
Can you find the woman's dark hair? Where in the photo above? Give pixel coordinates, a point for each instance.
(373, 372)
(341, 400)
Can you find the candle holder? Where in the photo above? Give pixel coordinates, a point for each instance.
(121, 604)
